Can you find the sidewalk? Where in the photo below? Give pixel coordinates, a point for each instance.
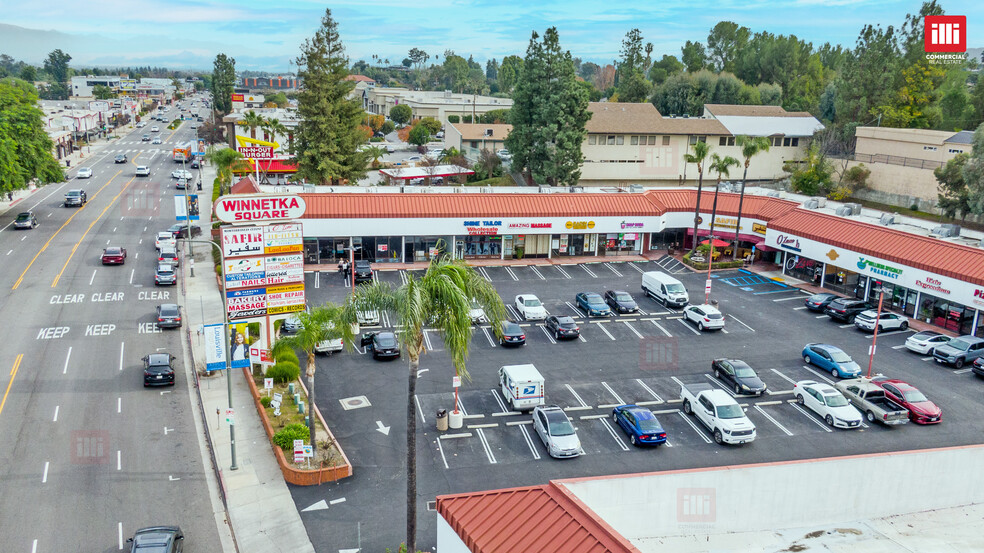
(260, 507)
(527, 261)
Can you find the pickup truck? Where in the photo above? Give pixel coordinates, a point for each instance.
(872, 401)
(719, 412)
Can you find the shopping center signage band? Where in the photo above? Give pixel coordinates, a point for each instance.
(259, 208)
(879, 269)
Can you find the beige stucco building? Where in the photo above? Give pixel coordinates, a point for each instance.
(471, 138)
(430, 103)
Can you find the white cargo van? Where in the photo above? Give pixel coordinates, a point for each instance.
(665, 289)
(522, 386)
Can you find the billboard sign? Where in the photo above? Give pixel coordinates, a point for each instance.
(285, 299)
(242, 304)
(242, 241)
(243, 208)
(256, 152)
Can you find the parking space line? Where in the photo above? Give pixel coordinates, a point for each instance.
(481, 436)
(403, 275)
(617, 397)
(846, 326)
(790, 380)
(900, 346)
(635, 266)
(822, 317)
(574, 308)
(618, 439)
(741, 323)
(893, 333)
(577, 397)
(650, 390)
(587, 270)
(800, 308)
(537, 272)
(719, 384)
(547, 332)
(498, 399)
(772, 420)
(562, 271)
(796, 297)
(661, 328)
(926, 359)
(419, 410)
(317, 279)
(511, 273)
(811, 417)
(689, 327)
(513, 313)
(632, 328)
(529, 440)
(699, 432)
(427, 341)
(603, 329)
(581, 338)
(612, 269)
(962, 371)
(819, 375)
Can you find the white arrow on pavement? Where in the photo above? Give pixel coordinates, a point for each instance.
(381, 428)
(317, 506)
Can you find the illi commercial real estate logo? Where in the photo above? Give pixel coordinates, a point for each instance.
(945, 39)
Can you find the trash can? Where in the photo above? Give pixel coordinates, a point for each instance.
(442, 420)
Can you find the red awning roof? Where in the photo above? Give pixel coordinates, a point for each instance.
(502, 521)
(275, 166)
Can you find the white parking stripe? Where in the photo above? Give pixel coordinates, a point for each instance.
(689, 326)
(603, 329)
(513, 313)
(741, 323)
(846, 326)
(577, 397)
(635, 266)
(427, 341)
(488, 335)
(547, 332)
(617, 397)
(811, 417)
(529, 441)
(792, 298)
(772, 420)
(612, 269)
(699, 432)
(577, 312)
(719, 384)
(661, 328)
(962, 371)
(537, 272)
(650, 390)
(900, 346)
(562, 271)
(790, 380)
(482, 271)
(587, 270)
(819, 375)
(618, 439)
(511, 273)
(439, 448)
(800, 308)
(632, 328)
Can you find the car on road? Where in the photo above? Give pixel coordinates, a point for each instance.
(556, 431)
(704, 316)
(75, 197)
(382, 344)
(145, 138)
(164, 240)
(529, 307)
(84, 173)
(921, 409)
(363, 271)
(158, 369)
(114, 255)
(26, 219)
(959, 351)
(141, 124)
(476, 313)
(561, 327)
(165, 275)
(845, 309)
(621, 301)
(156, 140)
(169, 255)
(640, 424)
(168, 315)
(181, 183)
(120, 158)
(739, 375)
(195, 164)
(157, 539)
(142, 171)
(819, 302)
(827, 402)
(592, 304)
(181, 173)
(925, 342)
(390, 148)
(180, 230)
(868, 320)
(155, 128)
(831, 359)
(512, 334)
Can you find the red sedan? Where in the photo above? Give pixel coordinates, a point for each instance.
(921, 410)
(114, 256)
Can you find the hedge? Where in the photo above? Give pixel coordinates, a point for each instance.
(288, 357)
(286, 436)
(284, 372)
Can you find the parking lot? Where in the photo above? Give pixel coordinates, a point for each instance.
(641, 358)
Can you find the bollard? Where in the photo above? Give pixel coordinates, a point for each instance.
(297, 398)
(300, 407)
(290, 388)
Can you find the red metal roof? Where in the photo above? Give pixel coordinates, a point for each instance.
(503, 521)
(275, 166)
(921, 252)
(759, 207)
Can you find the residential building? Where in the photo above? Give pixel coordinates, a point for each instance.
(431, 103)
(277, 83)
(471, 138)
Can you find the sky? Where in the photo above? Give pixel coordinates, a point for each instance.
(266, 36)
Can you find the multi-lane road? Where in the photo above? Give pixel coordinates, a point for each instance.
(88, 454)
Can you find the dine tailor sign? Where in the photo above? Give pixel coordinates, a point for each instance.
(243, 208)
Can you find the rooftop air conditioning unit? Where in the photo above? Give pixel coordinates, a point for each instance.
(636, 188)
(855, 208)
(772, 194)
(888, 219)
(821, 201)
(946, 231)
(843, 211)
(544, 189)
(811, 204)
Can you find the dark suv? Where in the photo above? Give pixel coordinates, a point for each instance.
(363, 271)
(158, 369)
(845, 309)
(75, 197)
(180, 230)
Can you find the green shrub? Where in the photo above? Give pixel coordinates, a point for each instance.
(288, 357)
(454, 119)
(252, 328)
(282, 373)
(265, 401)
(388, 127)
(914, 207)
(286, 436)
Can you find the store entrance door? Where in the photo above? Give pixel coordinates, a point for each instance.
(575, 244)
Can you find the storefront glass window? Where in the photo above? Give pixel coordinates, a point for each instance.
(619, 243)
(423, 248)
(946, 314)
(804, 269)
(480, 247)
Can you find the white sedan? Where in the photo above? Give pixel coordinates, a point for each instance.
(926, 342)
(84, 173)
(827, 402)
(155, 128)
(529, 307)
(704, 316)
(181, 174)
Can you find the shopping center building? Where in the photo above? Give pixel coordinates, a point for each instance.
(939, 281)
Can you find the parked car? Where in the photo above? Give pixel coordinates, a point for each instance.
(169, 255)
(872, 401)
(741, 377)
(181, 173)
(921, 409)
(504, 155)
(26, 219)
(120, 158)
(978, 366)
(845, 309)
(926, 342)
(704, 316)
(158, 369)
(157, 539)
(142, 171)
(382, 344)
(819, 302)
(75, 198)
(867, 320)
(84, 173)
(562, 327)
(529, 307)
(831, 359)
(180, 230)
(363, 271)
(640, 424)
(290, 325)
(592, 304)
(165, 274)
(621, 301)
(959, 351)
(114, 255)
(556, 431)
(827, 402)
(168, 315)
(512, 334)
(718, 412)
(476, 313)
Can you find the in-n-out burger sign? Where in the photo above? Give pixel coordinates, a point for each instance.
(259, 207)
(932, 284)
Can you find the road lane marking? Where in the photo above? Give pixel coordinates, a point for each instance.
(67, 357)
(121, 536)
(609, 265)
(421, 412)
(44, 477)
(131, 275)
(793, 298)
(93, 277)
(819, 375)
(121, 355)
(119, 460)
(790, 380)
(34, 547)
(636, 332)
(56, 415)
(119, 405)
(485, 330)
(10, 252)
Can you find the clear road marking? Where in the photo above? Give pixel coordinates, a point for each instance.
(10, 252)
(519, 423)
(44, 477)
(93, 277)
(488, 335)
(121, 355)
(537, 272)
(618, 439)
(666, 411)
(34, 547)
(811, 417)
(511, 273)
(617, 397)
(119, 460)
(56, 415)
(774, 421)
(119, 405)
(792, 298)
(819, 375)
(121, 536)
(609, 265)
(699, 432)
(140, 241)
(166, 430)
(13, 373)
(636, 332)
(114, 229)
(529, 440)
(421, 412)
(563, 272)
(661, 328)
(577, 397)
(790, 380)
(67, 357)
(741, 323)
(677, 380)
(171, 478)
(650, 390)
(23, 238)
(547, 332)
(587, 270)
(603, 329)
(689, 326)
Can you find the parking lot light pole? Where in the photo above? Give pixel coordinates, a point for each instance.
(874, 335)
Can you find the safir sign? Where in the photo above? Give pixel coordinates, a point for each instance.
(259, 208)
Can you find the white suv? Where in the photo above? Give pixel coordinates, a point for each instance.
(143, 171)
(704, 316)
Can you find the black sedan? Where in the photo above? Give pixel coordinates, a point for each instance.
(159, 539)
(120, 158)
(620, 301)
(739, 375)
(168, 315)
(819, 302)
(382, 344)
(158, 369)
(179, 230)
(562, 327)
(512, 335)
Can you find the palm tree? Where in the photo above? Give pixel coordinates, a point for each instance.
(441, 298)
(226, 161)
(750, 145)
(700, 154)
(374, 153)
(251, 120)
(327, 322)
(720, 165)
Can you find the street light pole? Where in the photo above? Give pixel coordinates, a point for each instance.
(874, 335)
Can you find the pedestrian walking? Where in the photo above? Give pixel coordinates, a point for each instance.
(345, 269)
(10, 196)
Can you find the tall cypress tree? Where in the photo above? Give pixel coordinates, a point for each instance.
(548, 114)
(223, 83)
(329, 133)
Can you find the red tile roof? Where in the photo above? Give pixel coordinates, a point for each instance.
(759, 207)
(500, 521)
(275, 166)
(245, 185)
(921, 252)
(359, 78)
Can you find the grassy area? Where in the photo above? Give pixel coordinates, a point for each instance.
(327, 451)
(504, 180)
(917, 214)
